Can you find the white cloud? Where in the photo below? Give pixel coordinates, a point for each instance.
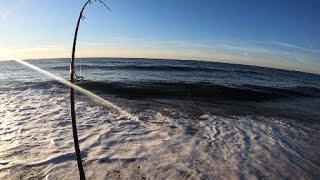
(49, 47)
(41, 48)
(5, 13)
(292, 46)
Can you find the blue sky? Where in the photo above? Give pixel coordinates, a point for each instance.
(282, 34)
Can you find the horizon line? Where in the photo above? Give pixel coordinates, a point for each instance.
(155, 58)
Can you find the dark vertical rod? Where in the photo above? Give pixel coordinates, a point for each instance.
(72, 107)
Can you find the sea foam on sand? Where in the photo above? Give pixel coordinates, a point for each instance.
(36, 142)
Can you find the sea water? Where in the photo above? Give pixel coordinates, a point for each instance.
(197, 120)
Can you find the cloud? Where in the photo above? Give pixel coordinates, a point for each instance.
(264, 53)
(42, 48)
(4, 14)
(49, 47)
(259, 50)
(87, 43)
(292, 46)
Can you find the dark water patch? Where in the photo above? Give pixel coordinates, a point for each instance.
(180, 90)
(294, 91)
(200, 89)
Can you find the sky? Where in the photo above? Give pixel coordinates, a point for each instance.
(280, 34)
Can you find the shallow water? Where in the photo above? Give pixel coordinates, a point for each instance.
(172, 137)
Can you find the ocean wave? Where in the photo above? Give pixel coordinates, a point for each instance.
(184, 90)
(162, 68)
(200, 89)
(36, 143)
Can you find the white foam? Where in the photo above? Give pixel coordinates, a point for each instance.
(36, 142)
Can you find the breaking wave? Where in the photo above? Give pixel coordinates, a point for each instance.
(186, 89)
(36, 143)
(192, 120)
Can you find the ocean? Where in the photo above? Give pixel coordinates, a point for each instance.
(193, 120)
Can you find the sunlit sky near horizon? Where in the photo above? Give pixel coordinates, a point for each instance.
(282, 34)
